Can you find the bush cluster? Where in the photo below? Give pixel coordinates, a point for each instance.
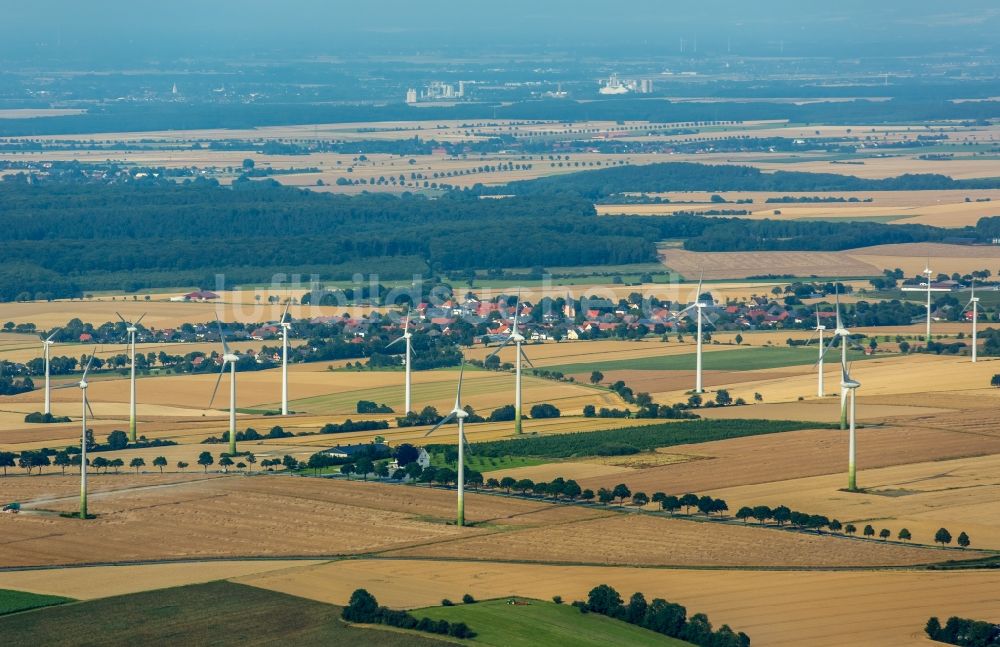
(364, 608)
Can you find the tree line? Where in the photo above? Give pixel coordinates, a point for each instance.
(661, 616)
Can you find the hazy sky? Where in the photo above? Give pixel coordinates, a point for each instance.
(118, 29)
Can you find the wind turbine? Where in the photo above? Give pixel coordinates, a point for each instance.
(839, 333)
(819, 330)
(285, 326)
(82, 384)
(130, 328)
(407, 335)
(927, 271)
(519, 354)
(699, 306)
(227, 358)
(46, 345)
(928, 289)
(460, 414)
(974, 305)
(847, 383)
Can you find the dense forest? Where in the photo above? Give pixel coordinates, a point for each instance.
(63, 237)
(136, 117)
(688, 176)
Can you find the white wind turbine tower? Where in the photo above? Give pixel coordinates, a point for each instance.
(847, 383)
(839, 333)
(407, 335)
(974, 305)
(82, 385)
(285, 326)
(131, 329)
(928, 289)
(519, 355)
(819, 331)
(46, 346)
(228, 358)
(699, 306)
(459, 414)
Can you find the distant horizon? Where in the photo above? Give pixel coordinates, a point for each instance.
(126, 34)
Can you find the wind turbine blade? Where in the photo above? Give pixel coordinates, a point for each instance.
(87, 401)
(840, 322)
(706, 320)
(500, 347)
(122, 318)
(517, 308)
(217, 381)
(826, 350)
(53, 334)
(450, 416)
(225, 346)
(701, 279)
(526, 359)
(683, 312)
(87, 369)
(139, 319)
(465, 441)
(395, 341)
(458, 394)
(285, 313)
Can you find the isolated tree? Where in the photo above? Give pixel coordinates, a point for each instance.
(365, 467)
(181, 465)
(933, 628)
(762, 513)
(995, 380)
(689, 501)
(523, 485)
(744, 514)
(671, 504)
(589, 411)
(705, 504)
(205, 459)
(116, 463)
(100, 463)
(869, 531)
(605, 496)
(250, 459)
(757, 397)
(604, 599)
(507, 483)
(161, 462)
(942, 536)
(225, 462)
(835, 525)
(904, 535)
(241, 466)
(571, 490)
(850, 529)
(884, 534)
(720, 506)
(347, 470)
(596, 377)
(621, 492)
(694, 401)
(137, 462)
(587, 495)
(640, 499)
(722, 398)
(963, 540)
(290, 462)
(61, 460)
(117, 440)
(7, 459)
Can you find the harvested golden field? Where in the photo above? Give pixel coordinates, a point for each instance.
(52, 485)
(644, 540)
(799, 454)
(946, 259)
(960, 494)
(774, 608)
(740, 265)
(261, 516)
(91, 582)
(946, 208)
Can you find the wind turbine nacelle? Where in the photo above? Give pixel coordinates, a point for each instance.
(461, 413)
(850, 384)
(131, 329)
(230, 358)
(84, 385)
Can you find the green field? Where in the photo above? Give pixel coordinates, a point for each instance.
(544, 624)
(14, 601)
(738, 359)
(668, 434)
(487, 463)
(217, 613)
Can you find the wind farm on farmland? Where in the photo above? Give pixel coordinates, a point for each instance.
(508, 327)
